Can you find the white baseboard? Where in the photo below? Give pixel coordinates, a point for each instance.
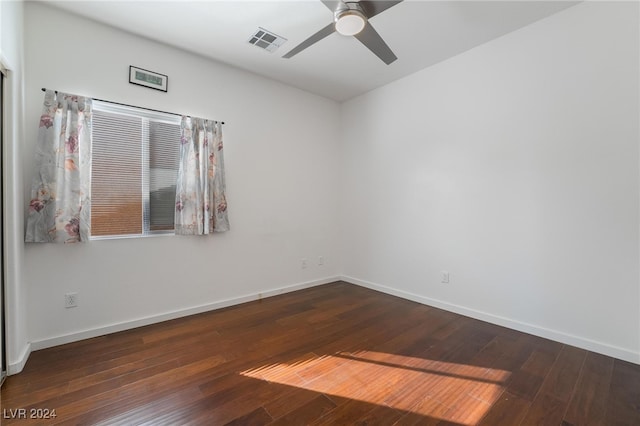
(140, 322)
(16, 367)
(591, 345)
(558, 336)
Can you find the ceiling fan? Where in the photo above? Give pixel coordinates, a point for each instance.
(351, 18)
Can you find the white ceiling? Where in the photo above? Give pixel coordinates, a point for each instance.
(421, 33)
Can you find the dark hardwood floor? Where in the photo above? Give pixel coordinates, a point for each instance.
(337, 354)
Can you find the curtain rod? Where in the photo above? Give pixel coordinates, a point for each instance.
(132, 106)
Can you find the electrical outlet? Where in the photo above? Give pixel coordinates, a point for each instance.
(303, 263)
(71, 300)
(320, 260)
(444, 277)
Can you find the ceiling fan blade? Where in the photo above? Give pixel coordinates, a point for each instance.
(373, 8)
(328, 30)
(370, 38)
(332, 5)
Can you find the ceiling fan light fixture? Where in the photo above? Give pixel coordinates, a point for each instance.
(350, 22)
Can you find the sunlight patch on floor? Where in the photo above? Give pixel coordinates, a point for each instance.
(455, 392)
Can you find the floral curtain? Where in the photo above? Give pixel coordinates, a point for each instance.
(60, 206)
(201, 205)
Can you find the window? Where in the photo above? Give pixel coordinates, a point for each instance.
(135, 156)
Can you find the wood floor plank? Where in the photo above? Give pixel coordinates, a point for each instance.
(345, 414)
(257, 417)
(588, 405)
(292, 399)
(510, 409)
(623, 402)
(552, 400)
(153, 411)
(379, 415)
(524, 384)
(331, 354)
(545, 410)
(416, 416)
(307, 413)
(562, 377)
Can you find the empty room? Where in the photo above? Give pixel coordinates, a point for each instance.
(314, 212)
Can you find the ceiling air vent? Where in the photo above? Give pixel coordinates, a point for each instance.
(266, 40)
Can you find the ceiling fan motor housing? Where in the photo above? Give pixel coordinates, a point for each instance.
(349, 18)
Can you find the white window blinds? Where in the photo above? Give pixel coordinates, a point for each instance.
(164, 158)
(134, 169)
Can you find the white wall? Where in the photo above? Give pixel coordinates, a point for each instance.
(11, 56)
(514, 166)
(280, 143)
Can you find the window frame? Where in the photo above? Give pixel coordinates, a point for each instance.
(145, 115)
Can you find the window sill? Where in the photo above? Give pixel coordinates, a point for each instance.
(127, 237)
